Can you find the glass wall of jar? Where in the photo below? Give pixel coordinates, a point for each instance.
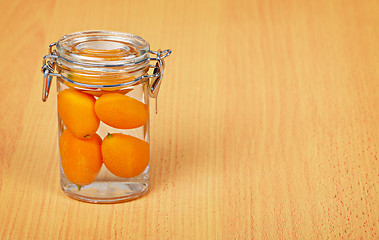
(103, 89)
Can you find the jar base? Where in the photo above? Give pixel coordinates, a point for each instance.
(109, 192)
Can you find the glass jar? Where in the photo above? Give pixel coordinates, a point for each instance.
(104, 81)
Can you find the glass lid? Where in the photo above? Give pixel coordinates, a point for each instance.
(103, 48)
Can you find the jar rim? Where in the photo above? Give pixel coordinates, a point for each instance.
(98, 48)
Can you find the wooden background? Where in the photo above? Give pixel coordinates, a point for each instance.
(268, 124)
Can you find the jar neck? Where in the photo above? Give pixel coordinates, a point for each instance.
(90, 76)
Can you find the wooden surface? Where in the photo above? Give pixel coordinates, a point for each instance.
(268, 124)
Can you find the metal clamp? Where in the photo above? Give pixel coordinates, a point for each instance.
(49, 63)
(158, 71)
(48, 67)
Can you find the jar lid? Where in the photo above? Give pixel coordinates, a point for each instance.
(103, 49)
(102, 59)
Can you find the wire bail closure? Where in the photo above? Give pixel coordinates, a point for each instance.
(49, 64)
(48, 67)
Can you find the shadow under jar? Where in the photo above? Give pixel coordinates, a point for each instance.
(104, 81)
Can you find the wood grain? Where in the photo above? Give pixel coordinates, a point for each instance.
(267, 127)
